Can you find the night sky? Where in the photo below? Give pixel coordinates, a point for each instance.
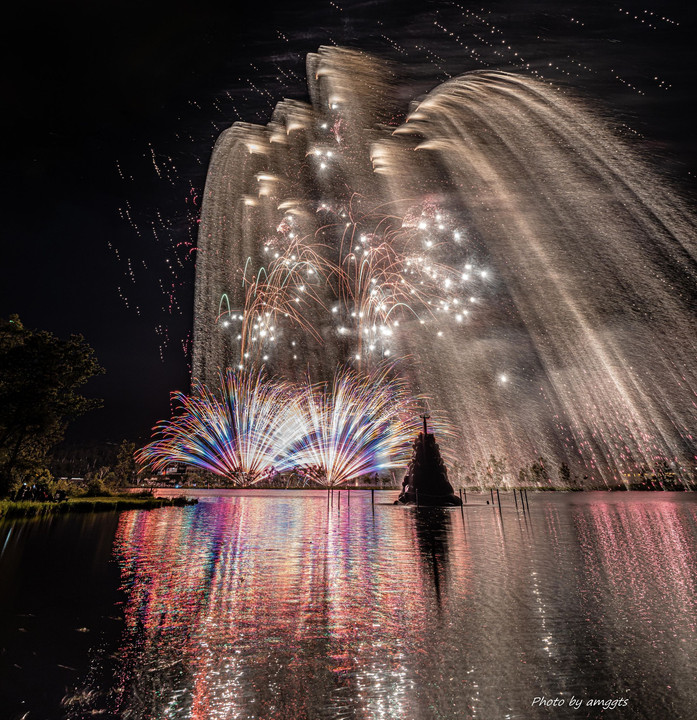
(111, 111)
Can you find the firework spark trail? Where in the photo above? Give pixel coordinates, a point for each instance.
(286, 290)
(391, 269)
(383, 272)
(238, 437)
(364, 424)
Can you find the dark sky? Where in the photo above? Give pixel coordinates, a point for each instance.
(111, 110)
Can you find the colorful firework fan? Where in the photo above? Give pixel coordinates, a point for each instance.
(238, 436)
(364, 425)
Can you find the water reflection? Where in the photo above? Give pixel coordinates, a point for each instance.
(639, 563)
(269, 605)
(432, 526)
(57, 595)
(232, 611)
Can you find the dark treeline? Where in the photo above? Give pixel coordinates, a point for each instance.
(41, 377)
(543, 475)
(83, 460)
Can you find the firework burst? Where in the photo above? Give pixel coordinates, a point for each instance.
(360, 425)
(390, 274)
(363, 424)
(238, 436)
(292, 282)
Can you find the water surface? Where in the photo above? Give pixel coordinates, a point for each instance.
(270, 604)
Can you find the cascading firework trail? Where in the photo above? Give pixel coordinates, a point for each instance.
(501, 237)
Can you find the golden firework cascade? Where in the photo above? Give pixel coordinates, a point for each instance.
(500, 243)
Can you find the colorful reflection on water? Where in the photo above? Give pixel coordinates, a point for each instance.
(273, 605)
(270, 605)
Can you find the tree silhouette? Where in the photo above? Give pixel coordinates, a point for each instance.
(39, 378)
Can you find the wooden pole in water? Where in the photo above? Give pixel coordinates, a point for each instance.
(526, 499)
(516, 499)
(339, 494)
(372, 497)
(348, 496)
(460, 495)
(491, 490)
(498, 497)
(416, 492)
(464, 490)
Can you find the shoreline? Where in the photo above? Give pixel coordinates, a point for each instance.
(187, 496)
(470, 489)
(36, 508)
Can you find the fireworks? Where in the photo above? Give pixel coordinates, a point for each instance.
(500, 236)
(364, 424)
(284, 290)
(238, 436)
(383, 270)
(391, 274)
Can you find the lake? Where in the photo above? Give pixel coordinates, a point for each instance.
(277, 604)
